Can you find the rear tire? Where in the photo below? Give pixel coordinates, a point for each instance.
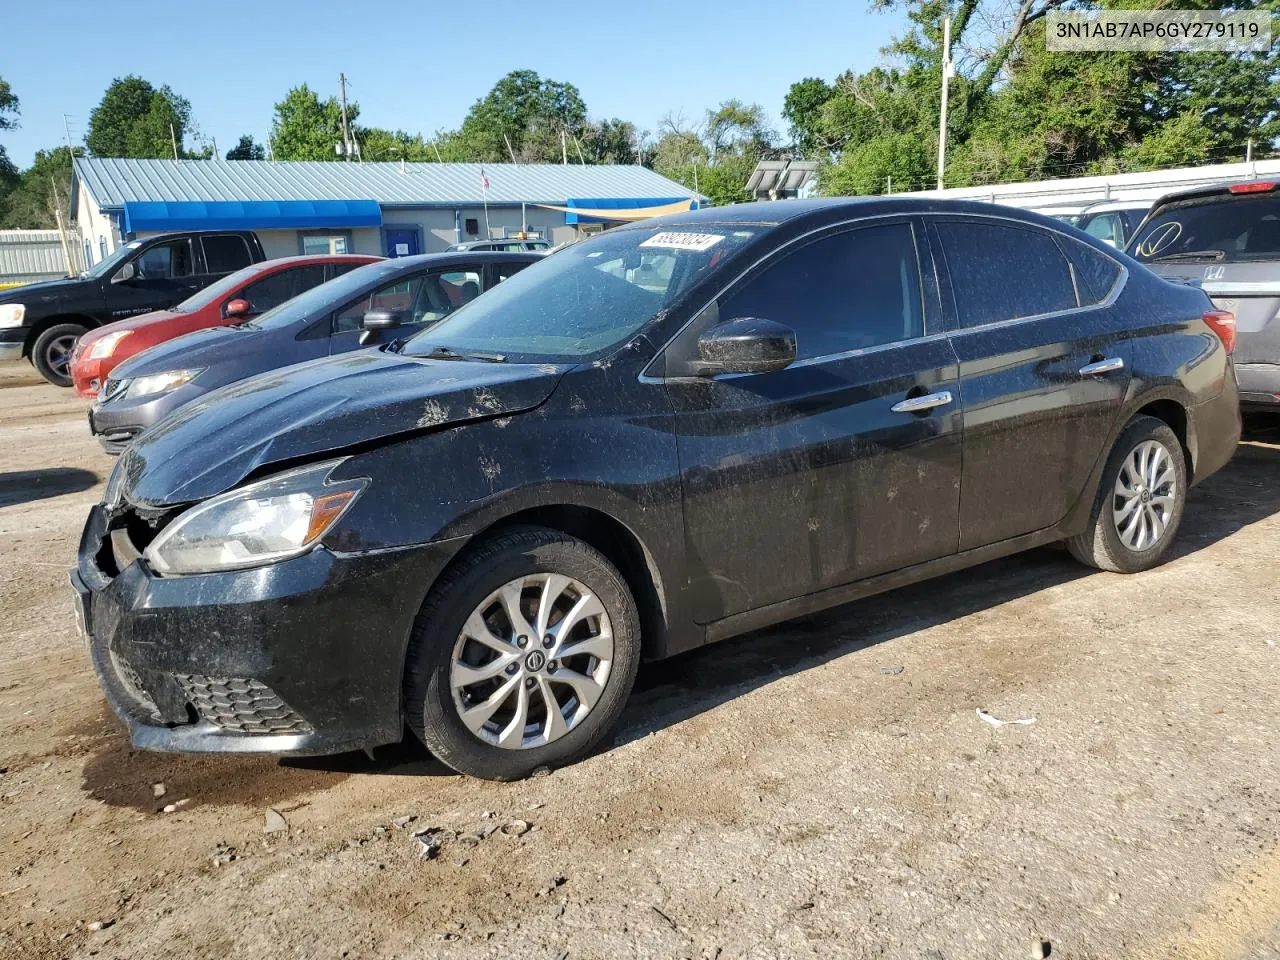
(499, 592)
(1139, 503)
(51, 353)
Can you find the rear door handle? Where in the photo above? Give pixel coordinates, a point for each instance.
(920, 404)
(1101, 367)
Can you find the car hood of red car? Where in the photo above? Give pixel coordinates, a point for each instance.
(143, 321)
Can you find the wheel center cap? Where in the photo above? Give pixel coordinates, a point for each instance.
(1146, 496)
(535, 661)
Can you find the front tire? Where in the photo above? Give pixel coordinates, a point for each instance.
(1140, 501)
(51, 353)
(522, 656)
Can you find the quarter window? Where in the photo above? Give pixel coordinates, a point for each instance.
(845, 292)
(1095, 273)
(225, 254)
(1002, 272)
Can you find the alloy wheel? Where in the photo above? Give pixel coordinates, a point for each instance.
(531, 661)
(1145, 495)
(58, 354)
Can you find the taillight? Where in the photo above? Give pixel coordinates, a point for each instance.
(1223, 323)
(1256, 186)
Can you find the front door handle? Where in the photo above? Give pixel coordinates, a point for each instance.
(1102, 367)
(921, 404)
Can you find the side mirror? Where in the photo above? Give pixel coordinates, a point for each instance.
(380, 320)
(124, 274)
(745, 345)
(239, 307)
(376, 320)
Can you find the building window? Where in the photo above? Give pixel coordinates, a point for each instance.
(327, 242)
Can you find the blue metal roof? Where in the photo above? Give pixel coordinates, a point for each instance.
(161, 215)
(112, 183)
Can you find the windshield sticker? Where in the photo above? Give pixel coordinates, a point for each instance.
(1160, 239)
(697, 242)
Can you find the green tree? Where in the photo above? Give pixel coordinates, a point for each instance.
(31, 202)
(611, 141)
(135, 119)
(9, 114)
(525, 115)
(308, 128)
(247, 149)
(715, 159)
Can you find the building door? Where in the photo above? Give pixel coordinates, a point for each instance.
(402, 241)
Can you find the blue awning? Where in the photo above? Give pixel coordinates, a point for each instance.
(615, 203)
(250, 215)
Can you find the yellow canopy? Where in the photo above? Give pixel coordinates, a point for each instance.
(624, 213)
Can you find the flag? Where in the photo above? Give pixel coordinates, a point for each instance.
(484, 181)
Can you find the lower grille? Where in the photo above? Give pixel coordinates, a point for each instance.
(132, 684)
(241, 705)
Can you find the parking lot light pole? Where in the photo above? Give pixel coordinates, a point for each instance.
(948, 71)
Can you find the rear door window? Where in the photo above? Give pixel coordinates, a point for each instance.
(1004, 272)
(225, 253)
(1212, 230)
(269, 292)
(166, 261)
(844, 292)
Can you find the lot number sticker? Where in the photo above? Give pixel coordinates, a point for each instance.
(683, 241)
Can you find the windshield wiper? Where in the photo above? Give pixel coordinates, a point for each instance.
(444, 353)
(1190, 255)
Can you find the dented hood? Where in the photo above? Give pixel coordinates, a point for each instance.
(313, 409)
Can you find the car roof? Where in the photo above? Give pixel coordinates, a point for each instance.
(774, 213)
(282, 263)
(1213, 190)
(1109, 206)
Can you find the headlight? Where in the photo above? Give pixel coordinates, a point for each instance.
(158, 383)
(11, 314)
(274, 519)
(106, 346)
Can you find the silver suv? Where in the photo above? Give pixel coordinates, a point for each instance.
(1226, 240)
(508, 245)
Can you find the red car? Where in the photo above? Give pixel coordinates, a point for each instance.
(233, 299)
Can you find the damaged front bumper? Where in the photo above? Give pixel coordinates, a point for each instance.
(301, 657)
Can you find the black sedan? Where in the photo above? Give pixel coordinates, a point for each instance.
(660, 437)
(368, 306)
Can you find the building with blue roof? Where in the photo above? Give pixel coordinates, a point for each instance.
(392, 209)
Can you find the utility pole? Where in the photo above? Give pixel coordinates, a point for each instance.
(564, 148)
(578, 146)
(346, 132)
(1248, 150)
(271, 150)
(437, 150)
(511, 153)
(62, 230)
(66, 126)
(173, 138)
(948, 71)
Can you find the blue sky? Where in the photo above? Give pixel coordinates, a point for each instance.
(420, 66)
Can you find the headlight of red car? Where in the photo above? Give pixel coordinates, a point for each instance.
(105, 346)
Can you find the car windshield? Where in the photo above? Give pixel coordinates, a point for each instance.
(216, 291)
(1218, 229)
(587, 298)
(108, 265)
(330, 295)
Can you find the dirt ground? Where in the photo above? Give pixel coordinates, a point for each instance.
(821, 789)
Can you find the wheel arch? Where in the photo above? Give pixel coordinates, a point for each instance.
(45, 323)
(1175, 416)
(620, 546)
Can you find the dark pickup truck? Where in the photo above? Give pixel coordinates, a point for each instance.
(41, 321)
